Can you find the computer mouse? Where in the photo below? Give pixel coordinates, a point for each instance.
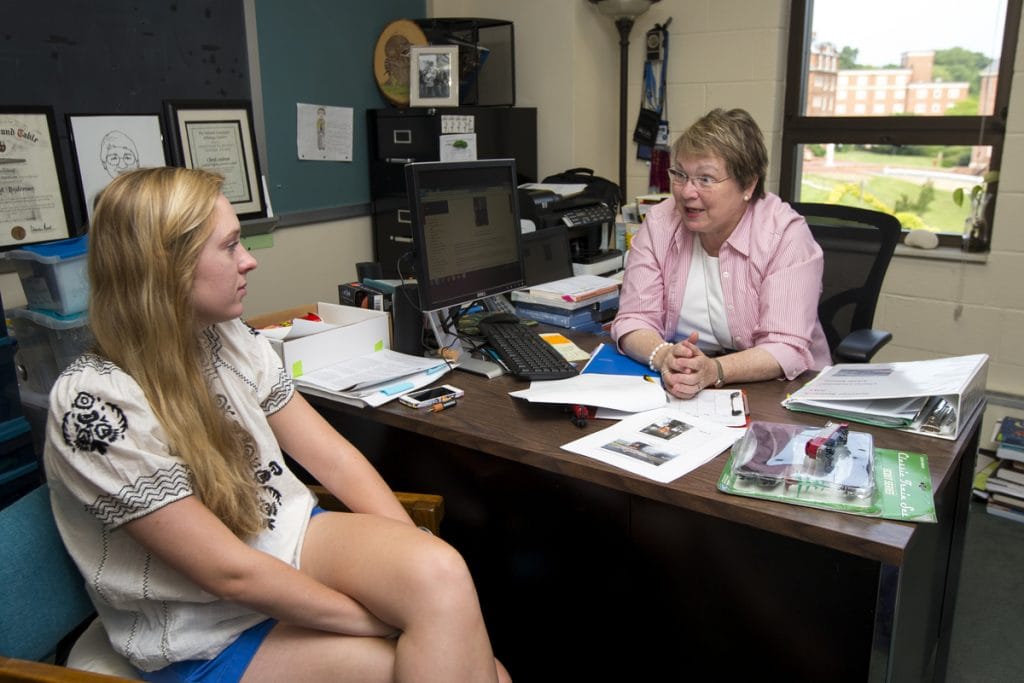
(500, 318)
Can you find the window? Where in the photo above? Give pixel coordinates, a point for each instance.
(940, 129)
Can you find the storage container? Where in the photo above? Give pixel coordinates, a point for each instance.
(47, 343)
(19, 466)
(54, 275)
(10, 401)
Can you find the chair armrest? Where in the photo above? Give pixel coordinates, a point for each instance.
(861, 345)
(38, 672)
(426, 509)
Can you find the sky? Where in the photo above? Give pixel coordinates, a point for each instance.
(884, 29)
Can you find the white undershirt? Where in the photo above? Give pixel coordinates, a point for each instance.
(703, 307)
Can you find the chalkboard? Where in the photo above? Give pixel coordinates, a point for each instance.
(120, 57)
(320, 53)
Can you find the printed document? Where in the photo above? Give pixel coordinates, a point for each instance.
(662, 444)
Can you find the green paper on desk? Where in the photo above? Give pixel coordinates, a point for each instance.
(903, 489)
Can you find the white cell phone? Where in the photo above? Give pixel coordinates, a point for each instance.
(423, 398)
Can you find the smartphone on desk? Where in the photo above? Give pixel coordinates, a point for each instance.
(424, 398)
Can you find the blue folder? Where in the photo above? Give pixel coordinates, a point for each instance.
(606, 360)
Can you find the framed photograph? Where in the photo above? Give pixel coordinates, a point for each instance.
(107, 145)
(433, 76)
(33, 201)
(218, 136)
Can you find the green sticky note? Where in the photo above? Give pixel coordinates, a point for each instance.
(297, 369)
(379, 346)
(258, 241)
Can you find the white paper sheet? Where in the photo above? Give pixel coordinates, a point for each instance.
(662, 444)
(619, 392)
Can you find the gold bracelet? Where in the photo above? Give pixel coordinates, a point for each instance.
(650, 358)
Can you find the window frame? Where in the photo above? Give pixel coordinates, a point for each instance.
(890, 130)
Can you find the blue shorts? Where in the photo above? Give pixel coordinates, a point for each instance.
(229, 665)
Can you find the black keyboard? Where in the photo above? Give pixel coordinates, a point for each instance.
(525, 354)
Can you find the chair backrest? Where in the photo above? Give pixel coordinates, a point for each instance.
(42, 595)
(858, 245)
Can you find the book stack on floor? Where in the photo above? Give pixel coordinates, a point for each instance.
(1005, 484)
(573, 302)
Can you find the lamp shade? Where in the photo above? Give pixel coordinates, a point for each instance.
(623, 8)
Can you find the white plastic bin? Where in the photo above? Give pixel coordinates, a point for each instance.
(54, 275)
(47, 343)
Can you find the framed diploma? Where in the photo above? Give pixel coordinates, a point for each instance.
(108, 145)
(33, 201)
(218, 136)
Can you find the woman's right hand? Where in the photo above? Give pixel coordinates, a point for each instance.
(682, 368)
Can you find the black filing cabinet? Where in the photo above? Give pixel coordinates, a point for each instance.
(401, 136)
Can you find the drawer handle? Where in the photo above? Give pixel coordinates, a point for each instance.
(402, 216)
(400, 238)
(402, 137)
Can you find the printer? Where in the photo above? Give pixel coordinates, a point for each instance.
(590, 223)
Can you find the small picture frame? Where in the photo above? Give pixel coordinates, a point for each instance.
(107, 145)
(34, 204)
(433, 76)
(218, 136)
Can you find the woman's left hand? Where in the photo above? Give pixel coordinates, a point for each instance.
(686, 370)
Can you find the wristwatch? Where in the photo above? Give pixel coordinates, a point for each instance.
(721, 373)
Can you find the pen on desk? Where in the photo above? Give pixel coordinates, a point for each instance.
(496, 358)
(443, 405)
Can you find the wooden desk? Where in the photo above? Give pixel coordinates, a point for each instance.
(609, 576)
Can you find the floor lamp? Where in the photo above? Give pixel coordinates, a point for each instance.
(625, 13)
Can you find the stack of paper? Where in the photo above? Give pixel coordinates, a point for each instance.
(373, 379)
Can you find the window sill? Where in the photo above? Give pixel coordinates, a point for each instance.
(941, 254)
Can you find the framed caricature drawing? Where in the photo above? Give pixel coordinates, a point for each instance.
(218, 136)
(433, 76)
(33, 200)
(107, 145)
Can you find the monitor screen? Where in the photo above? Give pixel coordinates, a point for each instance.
(465, 229)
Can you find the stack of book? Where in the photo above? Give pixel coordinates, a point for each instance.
(573, 302)
(1005, 484)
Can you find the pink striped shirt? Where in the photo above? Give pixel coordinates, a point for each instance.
(771, 280)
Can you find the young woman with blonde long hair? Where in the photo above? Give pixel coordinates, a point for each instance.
(205, 557)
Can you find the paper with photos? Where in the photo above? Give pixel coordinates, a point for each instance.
(662, 444)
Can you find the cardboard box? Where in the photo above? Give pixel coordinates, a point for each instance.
(360, 331)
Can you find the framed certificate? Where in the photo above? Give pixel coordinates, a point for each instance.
(107, 145)
(33, 201)
(433, 76)
(218, 136)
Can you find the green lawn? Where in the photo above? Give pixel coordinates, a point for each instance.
(942, 214)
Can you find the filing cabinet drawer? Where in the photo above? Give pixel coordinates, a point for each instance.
(392, 237)
(407, 136)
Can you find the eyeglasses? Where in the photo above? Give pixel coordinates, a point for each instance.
(700, 182)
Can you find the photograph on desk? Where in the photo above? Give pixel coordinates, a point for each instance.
(831, 468)
(661, 444)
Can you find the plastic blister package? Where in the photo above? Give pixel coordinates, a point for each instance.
(838, 463)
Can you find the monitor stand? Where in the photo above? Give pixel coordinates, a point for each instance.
(458, 354)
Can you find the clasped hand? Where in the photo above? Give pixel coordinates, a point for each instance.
(685, 370)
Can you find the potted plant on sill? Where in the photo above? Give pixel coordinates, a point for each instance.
(976, 225)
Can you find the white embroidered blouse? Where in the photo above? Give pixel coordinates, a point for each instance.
(107, 463)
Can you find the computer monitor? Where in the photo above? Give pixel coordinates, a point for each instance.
(465, 230)
(546, 255)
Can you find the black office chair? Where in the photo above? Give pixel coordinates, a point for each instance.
(858, 245)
